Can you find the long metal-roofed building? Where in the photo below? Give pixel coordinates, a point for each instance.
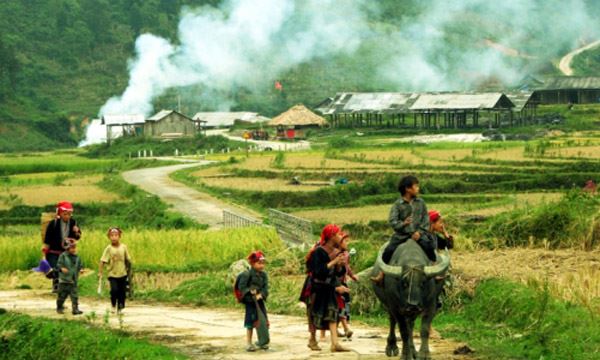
(367, 108)
(452, 110)
(428, 110)
(567, 90)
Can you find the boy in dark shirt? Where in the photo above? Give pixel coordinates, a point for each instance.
(254, 285)
(410, 220)
(69, 265)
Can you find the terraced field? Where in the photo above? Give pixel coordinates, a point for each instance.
(512, 175)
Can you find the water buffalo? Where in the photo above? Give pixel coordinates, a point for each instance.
(409, 289)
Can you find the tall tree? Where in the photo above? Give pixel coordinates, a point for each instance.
(9, 68)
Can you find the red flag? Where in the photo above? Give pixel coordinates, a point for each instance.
(278, 85)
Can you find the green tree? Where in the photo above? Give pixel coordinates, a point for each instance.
(9, 68)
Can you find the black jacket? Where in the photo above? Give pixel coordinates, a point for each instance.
(253, 280)
(54, 238)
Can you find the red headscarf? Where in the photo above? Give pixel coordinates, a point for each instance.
(434, 216)
(256, 256)
(328, 232)
(64, 206)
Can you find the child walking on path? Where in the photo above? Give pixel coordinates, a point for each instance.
(69, 265)
(254, 289)
(116, 257)
(345, 272)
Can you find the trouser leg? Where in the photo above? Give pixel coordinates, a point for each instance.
(121, 294)
(63, 292)
(113, 291)
(389, 250)
(74, 293)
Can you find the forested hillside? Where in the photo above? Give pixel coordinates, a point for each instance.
(60, 60)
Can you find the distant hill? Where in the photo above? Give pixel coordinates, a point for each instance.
(60, 60)
(587, 63)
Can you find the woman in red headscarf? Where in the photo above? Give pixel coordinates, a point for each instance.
(322, 285)
(438, 229)
(59, 234)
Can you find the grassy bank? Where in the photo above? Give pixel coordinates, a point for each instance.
(136, 208)
(24, 337)
(504, 320)
(129, 146)
(572, 222)
(67, 161)
(153, 250)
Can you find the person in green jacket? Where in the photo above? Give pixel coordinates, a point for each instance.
(254, 284)
(69, 265)
(409, 219)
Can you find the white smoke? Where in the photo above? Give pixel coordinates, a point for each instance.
(244, 42)
(447, 46)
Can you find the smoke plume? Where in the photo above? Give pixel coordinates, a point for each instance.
(434, 45)
(243, 43)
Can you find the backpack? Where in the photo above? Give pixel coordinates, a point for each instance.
(236, 287)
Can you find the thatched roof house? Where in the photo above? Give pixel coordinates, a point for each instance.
(298, 116)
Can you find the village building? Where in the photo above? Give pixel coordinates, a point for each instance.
(122, 125)
(213, 120)
(422, 110)
(171, 124)
(567, 90)
(461, 110)
(525, 110)
(357, 109)
(293, 123)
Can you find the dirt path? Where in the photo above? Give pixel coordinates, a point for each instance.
(197, 205)
(565, 63)
(205, 333)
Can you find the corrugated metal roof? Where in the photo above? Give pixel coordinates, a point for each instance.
(569, 82)
(160, 115)
(520, 99)
(380, 102)
(461, 101)
(123, 119)
(164, 113)
(228, 118)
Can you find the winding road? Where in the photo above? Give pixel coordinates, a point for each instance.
(565, 63)
(201, 207)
